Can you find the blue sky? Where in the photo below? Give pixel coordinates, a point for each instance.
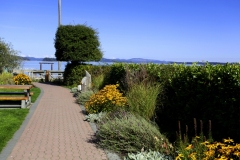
(171, 30)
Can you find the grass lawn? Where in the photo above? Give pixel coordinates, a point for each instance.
(11, 120)
(36, 92)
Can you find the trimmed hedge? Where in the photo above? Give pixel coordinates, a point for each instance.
(206, 93)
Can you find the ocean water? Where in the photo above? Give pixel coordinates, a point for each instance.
(35, 65)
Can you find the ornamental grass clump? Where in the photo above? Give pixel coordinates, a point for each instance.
(6, 78)
(125, 132)
(22, 79)
(142, 92)
(97, 82)
(107, 99)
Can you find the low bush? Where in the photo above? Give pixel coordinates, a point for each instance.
(124, 132)
(147, 155)
(95, 118)
(75, 91)
(107, 99)
(83, 97)
(22, 79)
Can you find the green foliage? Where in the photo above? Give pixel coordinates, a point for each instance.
(141, 99)
(57, 81)
(204, 92)
(95, 118)
(83, 97)
(75, 91)
(10, 121)
(116, 75)
(99, 74)
(97, 82)
(74, 73)
(147, 155)
(125, 132)
(9, 58)
(77, 43)
(6, 78)
(22, 79)
(142, 92)
(107, 99)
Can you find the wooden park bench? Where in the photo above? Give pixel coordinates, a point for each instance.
(15, 96)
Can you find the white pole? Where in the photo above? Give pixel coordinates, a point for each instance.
(59, 23)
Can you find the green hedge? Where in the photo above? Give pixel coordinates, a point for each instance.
(206, 93)
(74, 73)
(209, 92)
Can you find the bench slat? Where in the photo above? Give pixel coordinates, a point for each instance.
(13, 98)
(16, 86)
(12, 93)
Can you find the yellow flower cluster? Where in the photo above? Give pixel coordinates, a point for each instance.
(223, 151)
(105, 100)
(212, 151)
(22, 79)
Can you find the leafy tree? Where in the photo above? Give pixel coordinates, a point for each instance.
(77, 43)
(9, 58)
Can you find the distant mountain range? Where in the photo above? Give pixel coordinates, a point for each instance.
(132, 60)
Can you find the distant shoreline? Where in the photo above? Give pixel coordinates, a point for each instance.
(132, 60)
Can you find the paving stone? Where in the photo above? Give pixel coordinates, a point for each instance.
(56, 129)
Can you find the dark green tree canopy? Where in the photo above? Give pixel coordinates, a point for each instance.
(77, 43)
(9, 58)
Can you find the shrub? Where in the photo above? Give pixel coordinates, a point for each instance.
(124, 132)
(95, 118)
(147, 155)
(107, 99)
(83, 97)
(22, 79)
(205, 92)
(74, 73)
(6, 78)
(74, 91)
(77, 43)
(115, 75)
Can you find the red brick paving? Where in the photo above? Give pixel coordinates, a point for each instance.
(56, 130)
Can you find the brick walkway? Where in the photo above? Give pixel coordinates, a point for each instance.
(56, 130)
